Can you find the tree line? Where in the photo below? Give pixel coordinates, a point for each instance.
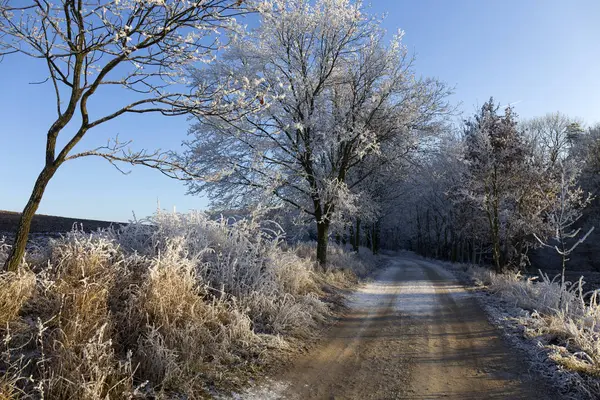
(497, 186)
(314, 112)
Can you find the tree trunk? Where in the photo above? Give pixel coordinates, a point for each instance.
(454, 257)
(356, 243)
(438, 235)
(494, 221)
(497, 254)
(419, 237)
(428, 231)
(22, 235)
(446, 243)
(562, 277)
(322, 239)
(375, 238)
(453, 251)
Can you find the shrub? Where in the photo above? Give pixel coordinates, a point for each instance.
(165, 306)
(340, 259)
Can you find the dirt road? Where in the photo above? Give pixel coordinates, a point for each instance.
(412, 333)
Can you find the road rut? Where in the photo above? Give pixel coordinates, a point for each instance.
(412, 333)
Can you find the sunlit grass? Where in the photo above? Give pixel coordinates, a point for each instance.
(172, 306)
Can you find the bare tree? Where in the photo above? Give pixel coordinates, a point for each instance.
(145, 47)
(566, 207)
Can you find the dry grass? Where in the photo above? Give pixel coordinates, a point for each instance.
(341, 259)
(15, 290)
(562, 317)
(170, 307)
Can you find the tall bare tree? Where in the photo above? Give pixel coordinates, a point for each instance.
(144, 47)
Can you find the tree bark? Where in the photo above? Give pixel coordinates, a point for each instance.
(419, 236)
(22, 235)
(356, 242)
(375, 238)
(562, 273)
(446, 255)
(322, 239)
(496, 248)
(428, 232)
(454, 251)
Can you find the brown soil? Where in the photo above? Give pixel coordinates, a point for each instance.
(412, 333)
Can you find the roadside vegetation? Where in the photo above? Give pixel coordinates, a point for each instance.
(178, 305)
(314, 112)
(508, 197)
(557, 322)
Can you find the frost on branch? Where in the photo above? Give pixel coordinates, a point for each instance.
(144, 48)
(565, 208)
(333, 94)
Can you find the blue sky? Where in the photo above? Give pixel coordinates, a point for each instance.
(542, 55)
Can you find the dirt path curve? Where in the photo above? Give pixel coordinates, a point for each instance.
(412, 333)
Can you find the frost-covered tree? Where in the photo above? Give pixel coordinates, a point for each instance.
(377, 182)
(446, 227)
(586, 152)
(483, 195)
(144, 47)
(430, 217)
(334, 92)
(552, 136)
(497, 158)
(565, 208)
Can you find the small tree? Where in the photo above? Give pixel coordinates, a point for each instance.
(143, 46)
(565, 209)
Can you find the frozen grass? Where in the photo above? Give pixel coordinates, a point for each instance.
(169, 307)
(341, 259)
(562, 320)
(15, 290)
